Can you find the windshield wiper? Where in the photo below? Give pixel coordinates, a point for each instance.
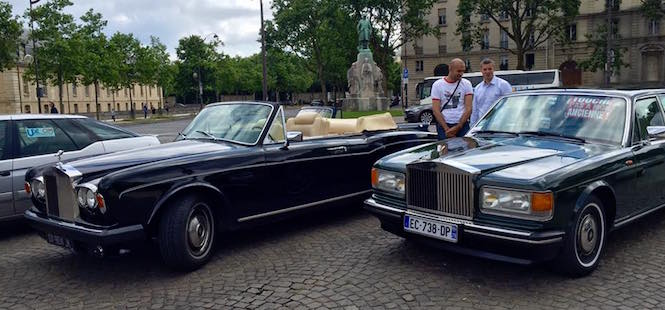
(552, 134)
(495, 131)
(207, 134)
(184, 136)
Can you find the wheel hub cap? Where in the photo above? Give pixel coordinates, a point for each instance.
(197, 231)
(587, 234)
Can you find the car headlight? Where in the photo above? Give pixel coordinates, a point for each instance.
(519, 204)
(88, 197)
(389, 181)
(38, 189)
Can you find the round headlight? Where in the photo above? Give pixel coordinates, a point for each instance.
(81, 196)
(90, 200)
(38, 189)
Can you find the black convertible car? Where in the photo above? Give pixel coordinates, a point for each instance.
(543, 176)
(235, 165)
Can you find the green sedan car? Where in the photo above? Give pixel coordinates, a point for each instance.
(543, 176)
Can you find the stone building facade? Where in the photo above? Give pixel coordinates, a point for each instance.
(18, 95)
(643, 40)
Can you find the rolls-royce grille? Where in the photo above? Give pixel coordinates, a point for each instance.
(440, 188)
(60, 198)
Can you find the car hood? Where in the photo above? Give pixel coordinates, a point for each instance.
(514, 158)
(173, 150)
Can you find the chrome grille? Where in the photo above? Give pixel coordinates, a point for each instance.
(60, 197)
(440, 188)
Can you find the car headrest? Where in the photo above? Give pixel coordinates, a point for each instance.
(382, 121)
(306, 118)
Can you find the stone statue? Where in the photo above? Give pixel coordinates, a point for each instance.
(378, 81)
(367, 75)
(364, 33)
(352, 78)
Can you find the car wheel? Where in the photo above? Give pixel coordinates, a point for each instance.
(186, 233)
(426, 117)
(584, 240)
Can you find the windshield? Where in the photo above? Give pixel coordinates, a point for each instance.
(597, 118)
(241, 123)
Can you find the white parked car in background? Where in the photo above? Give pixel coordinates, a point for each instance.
(28, 140)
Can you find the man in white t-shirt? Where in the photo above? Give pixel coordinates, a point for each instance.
(452, 98)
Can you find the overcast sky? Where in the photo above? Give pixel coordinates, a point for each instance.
(236, 22)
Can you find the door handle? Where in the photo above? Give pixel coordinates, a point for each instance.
(4, 173)
(337, 149)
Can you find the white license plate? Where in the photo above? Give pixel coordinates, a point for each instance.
(58, 240)
(431, 228)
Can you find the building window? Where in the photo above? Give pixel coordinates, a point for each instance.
(419, 66)
(74, 92)
(26, 109)
(126, 106)
(141, 89)
(442, 44)
(26, 88)
(531, 41)
(572, 32)
(614, 3)
(468, 65)
(150, 91)
(530, 61)
(484, 17)
(108, 107)
(503, 15)
(87, 107)
(125, 92)
(108, 92)
(485, 44)
(503, 65)
(44, 90)
(504, 39)
(528, 12)
(76, 108)
(442, 17)
(615, 28)
(87, 90)
(117, 106)
(654, 27)
(133, 90)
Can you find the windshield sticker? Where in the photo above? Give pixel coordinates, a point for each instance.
(588, 108)
(41, 132)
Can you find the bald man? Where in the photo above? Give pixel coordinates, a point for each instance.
(452, 97)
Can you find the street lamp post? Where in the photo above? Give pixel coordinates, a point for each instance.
(263, 53)
(34, 51)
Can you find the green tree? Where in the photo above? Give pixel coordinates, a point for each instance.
(10, 30)
(527, 23)
(288, 72)
(654, 9)
(123, 52)
(58, 53)
(165, 70)
(94, 64)
(598, 58)
(393, 22)
(319, 30)
(195, 55)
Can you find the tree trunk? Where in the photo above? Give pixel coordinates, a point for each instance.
(131, 104)
(62, 106)
(323, 84)
(520, 60)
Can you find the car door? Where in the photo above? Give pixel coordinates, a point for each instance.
(37, 143)
(649, 154)
(6, 196)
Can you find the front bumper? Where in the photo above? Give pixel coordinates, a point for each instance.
(515, 246)
(102, 236)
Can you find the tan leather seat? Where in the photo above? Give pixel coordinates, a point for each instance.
(375, 122)
(276, 131)
(309, 123)
(343, 126)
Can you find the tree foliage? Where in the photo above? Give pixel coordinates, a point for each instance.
(527, 23)
(654, 9)
(598, 57)
(10, 30)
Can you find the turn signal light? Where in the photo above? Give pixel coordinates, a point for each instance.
(26, 185)
(542, 202)
(100, 203)
(375, 177)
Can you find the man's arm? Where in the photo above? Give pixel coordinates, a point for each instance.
(468, 109)
(506, 88)
(436, 111)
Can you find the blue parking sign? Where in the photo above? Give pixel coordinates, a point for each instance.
(406, 73)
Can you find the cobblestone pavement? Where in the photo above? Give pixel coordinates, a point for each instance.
(335, 259)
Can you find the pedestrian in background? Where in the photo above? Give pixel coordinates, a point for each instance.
(145, 111)
(53, 109)
(452, 98)
(488, 91)
(113, 114)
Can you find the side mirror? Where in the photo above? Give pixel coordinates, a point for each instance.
(294, 136)
(655, 131)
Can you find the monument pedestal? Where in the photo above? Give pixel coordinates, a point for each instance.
(365, 85)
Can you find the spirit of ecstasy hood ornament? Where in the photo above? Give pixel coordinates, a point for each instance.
(59, 154)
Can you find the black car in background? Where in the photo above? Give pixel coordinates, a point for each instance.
(235, 165)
